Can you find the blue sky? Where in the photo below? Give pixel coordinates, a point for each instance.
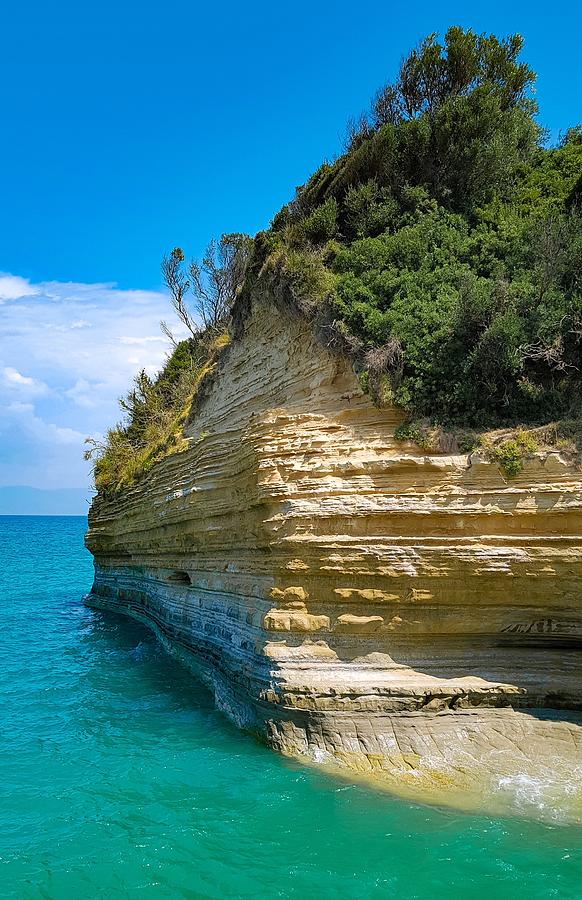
(129, 128)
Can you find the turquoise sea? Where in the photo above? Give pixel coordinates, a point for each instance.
(118, 779)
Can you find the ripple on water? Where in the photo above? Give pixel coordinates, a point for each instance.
(120, 779)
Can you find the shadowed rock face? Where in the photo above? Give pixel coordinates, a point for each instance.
(408, 616)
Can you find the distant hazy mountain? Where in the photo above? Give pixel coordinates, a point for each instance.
(29, 501)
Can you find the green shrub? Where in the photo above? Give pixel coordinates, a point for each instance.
(420, 433)
(155, 415)
(510, 453)
(369, 210)
(321, 225)
(311, 281)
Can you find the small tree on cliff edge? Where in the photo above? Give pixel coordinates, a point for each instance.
(458, 120)
(213, 283)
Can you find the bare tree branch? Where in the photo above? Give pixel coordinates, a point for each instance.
(214, 283)
(167, 332)
(217, 279)
(178, 285)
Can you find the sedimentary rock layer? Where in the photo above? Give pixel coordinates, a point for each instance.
(410, 614)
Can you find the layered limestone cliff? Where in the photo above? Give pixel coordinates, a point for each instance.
(408, 616)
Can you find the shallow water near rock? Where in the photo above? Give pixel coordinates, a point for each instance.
(120, 779)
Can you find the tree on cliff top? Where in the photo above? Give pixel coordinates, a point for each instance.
(213, 283)
(458, 120)
(449, 231)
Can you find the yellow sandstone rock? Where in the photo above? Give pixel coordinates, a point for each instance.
(293, 620)
(448, 596)
(359, 624)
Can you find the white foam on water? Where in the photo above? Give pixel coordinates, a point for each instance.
(549, 796)
(323, 757)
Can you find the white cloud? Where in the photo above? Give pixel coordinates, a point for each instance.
(13, 376)
(140, 341)
(38, 428)
(83, 393)
(39, 453)
(14, 379)
(13, 287)
(67, 353)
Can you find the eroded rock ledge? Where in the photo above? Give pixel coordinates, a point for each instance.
(408, 616)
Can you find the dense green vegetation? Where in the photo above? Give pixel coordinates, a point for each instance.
(156, 411)
(442, 250)
(444, 247)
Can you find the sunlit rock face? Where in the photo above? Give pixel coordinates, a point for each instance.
(408, 616)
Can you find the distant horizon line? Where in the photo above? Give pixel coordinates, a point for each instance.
(43, 515)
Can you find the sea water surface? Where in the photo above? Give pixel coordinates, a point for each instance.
(118, 778)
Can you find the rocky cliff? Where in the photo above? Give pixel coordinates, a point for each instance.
(412, 617)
